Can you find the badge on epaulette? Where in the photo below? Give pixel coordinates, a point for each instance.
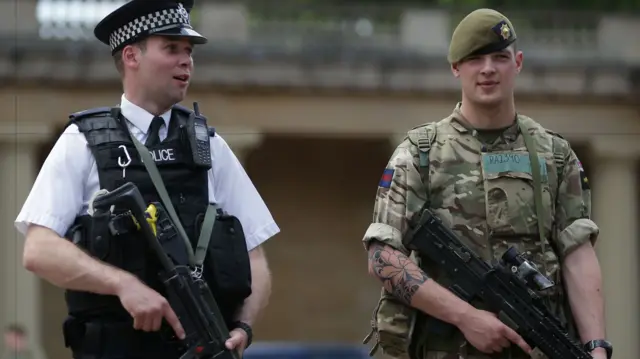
(387, 177)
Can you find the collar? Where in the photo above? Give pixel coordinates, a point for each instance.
(462, 125)
(140, 117)
(458, 121)
(512, 132)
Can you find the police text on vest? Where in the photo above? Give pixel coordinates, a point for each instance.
(163, 155)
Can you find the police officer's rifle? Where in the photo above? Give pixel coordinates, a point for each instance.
(506, 289)
(188, 294)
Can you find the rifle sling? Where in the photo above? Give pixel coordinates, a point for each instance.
(195, 260)
(537, 191)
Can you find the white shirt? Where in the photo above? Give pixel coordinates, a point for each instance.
(69, 178)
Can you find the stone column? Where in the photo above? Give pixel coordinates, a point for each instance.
(241, 140)
(615, 210)
(19, 289)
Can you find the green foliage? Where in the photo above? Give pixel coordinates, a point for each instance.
(581, 5)
(550, 15)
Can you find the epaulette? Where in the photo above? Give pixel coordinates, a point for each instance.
(421, 125)
(555, 134)
(92, 112)
(560, 146)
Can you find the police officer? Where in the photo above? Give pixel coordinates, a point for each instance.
(116, 304)
(472, 170)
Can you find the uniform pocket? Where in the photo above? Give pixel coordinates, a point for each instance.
(510, 196)
(511, 209)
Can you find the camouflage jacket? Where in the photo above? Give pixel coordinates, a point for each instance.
(484, 192)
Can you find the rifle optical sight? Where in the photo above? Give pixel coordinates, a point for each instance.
(525, 270)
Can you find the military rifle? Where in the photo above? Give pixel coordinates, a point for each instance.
(187, 293)
(507, 288)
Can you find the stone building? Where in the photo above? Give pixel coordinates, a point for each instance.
(314, 116)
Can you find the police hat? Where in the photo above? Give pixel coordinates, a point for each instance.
(139, 19)
(481, 32)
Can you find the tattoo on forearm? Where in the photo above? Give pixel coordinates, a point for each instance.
(399, 275)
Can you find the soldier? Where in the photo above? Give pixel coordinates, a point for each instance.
(472, 170)
(117, 305)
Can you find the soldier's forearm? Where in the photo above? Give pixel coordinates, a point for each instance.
(260, 288)
(584, 288)
(402, 277)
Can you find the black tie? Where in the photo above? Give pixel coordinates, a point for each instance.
(154, 131)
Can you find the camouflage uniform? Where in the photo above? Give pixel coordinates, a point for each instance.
(484, 191)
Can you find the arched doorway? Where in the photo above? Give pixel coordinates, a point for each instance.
(321, 192)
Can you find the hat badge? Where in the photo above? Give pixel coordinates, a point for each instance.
(505, 32)
(183, 12)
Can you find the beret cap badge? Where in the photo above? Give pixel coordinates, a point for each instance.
(502, 29)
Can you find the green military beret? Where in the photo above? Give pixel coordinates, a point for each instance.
(481, 32)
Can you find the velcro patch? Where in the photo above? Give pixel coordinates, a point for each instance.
(387, 177)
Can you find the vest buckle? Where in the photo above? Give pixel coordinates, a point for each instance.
(197, 272)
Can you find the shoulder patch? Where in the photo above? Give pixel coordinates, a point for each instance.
(98, 111)
(584, 181)
(387, 178)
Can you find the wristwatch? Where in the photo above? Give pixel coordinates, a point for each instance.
(599, 343)
(247, 328)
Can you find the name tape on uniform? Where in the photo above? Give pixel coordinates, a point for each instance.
(510, 162)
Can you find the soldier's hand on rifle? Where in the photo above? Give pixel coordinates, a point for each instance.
(599, 353)
(488, 334)
(147, 307)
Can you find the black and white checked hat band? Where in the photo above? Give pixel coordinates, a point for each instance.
(156, 21)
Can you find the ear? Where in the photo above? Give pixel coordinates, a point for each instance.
(455, 70)
(519, 57)
(131, 56)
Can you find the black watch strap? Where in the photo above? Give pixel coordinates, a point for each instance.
(244, 326)
(599, 343)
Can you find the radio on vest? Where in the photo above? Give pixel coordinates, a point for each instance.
(199, 138)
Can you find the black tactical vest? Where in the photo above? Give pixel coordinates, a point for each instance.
(117, 242)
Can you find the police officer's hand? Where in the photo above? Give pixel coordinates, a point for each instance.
(147, 307)
(237, 341)
(488, 334)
